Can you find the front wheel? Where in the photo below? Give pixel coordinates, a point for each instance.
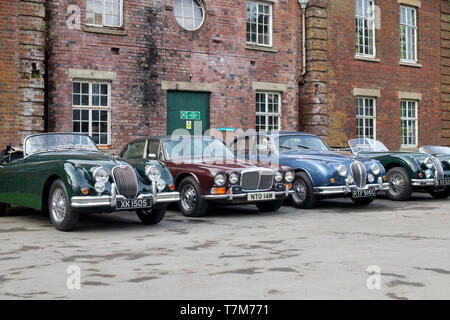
(363, 201)
(151, 216)
(400, 187)
(270, 206)
(303, 196)
(2, 209)
(440, 194)
(61, 214)
(192, 203)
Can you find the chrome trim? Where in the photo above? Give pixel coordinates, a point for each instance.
(260, 171)
(166, 197)
(423, 182)
(135, 176)
(348, 188)
(232, 196)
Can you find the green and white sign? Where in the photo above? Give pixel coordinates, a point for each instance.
(190, 115)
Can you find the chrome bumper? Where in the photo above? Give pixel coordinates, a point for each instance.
(111, 201)
(232, 196)
(424, 182)
(347, 188)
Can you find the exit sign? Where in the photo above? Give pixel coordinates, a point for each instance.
(190, 115)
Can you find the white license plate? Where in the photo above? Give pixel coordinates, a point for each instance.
(367, 193)
(444, 182)
(131, 204)
(261, 196)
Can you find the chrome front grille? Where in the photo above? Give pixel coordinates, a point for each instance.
(359, 173)
(257, 179)
(439, 168)
(126, 181)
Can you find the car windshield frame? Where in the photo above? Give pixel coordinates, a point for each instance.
(435, 150)
(366, 145)
(228, 154)
(276, 144)
(92, 147)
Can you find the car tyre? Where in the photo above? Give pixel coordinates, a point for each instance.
(443, 194)
(363, 201)
(270, 206)
(303, 196)
(151, 216)
(192, 203)
(2, 209)
(60, 211)
(400, 188)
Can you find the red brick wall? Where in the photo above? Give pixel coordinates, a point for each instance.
(157, 49)
(445, 71)
(346, 73)
(8, 71)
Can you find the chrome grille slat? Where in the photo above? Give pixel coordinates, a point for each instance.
(126, 181)
(359, 173)
(257, 179)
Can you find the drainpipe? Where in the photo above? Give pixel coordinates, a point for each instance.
(303, 4)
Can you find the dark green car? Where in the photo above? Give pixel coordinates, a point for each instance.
(65, 174)
(407, 171)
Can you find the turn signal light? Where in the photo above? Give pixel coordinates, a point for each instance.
(172, 187)
(332, 180)
(221, 190)
(385, 178)
(421, 175)
(289, 186)
(85, 191)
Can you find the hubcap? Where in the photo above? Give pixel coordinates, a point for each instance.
(189, 198)
(397, 183)
(59, 207)
(300, 189)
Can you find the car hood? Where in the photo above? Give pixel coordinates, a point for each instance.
(325, 156)
(85, 159)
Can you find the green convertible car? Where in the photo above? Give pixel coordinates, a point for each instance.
(65, 174)
(408, 171)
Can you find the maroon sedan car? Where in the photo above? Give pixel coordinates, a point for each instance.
(205, 170)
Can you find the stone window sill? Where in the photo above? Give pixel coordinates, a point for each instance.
(106, 30)
(259, 48)
(410, 64)
(367, 59)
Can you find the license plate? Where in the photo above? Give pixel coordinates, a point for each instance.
(261, 196)
(444, 182)
(366, 193)
(131, 204)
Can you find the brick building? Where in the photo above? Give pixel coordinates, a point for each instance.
(120, 69)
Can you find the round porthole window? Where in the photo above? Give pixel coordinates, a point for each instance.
(189, 14)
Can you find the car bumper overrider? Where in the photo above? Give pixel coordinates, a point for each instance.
(111, 201)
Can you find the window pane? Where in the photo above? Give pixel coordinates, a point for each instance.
(85, 115)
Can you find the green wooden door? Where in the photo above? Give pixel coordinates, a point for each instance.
(187, 110)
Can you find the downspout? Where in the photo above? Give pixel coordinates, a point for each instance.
(303, 4)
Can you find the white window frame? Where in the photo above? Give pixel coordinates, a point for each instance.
(365, 117)
(407, 119)
(370, 22)
(257, 3)
(91, 108)
(409, 27)
(275, 115)
(103, 17)
(202, 7)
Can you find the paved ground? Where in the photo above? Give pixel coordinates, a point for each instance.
(235, 253)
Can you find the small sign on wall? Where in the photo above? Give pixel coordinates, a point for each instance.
(188, 125)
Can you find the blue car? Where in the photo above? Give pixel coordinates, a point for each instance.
(320, 172)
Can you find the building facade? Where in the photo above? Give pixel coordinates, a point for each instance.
(121, 69)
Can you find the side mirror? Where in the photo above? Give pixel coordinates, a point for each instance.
(152, 156)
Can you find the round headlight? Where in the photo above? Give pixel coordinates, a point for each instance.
(234, 177)
(370, 178)
(153, 173)
(428, 174)
(99, 187)
(161, 185)
(342, 170)
(220, 179)
(375, 168)
(428, 162)
(278, 176)
(350, 179)
(289, 176)
(101, 175)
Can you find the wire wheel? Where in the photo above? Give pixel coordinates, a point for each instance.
(189, 198)
(58, 205)
(397, 183)
(300, 189)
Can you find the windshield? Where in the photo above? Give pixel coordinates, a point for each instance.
(366, 145)
(300, 142)
(209, 148)
(435, 150)
(58, 142)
